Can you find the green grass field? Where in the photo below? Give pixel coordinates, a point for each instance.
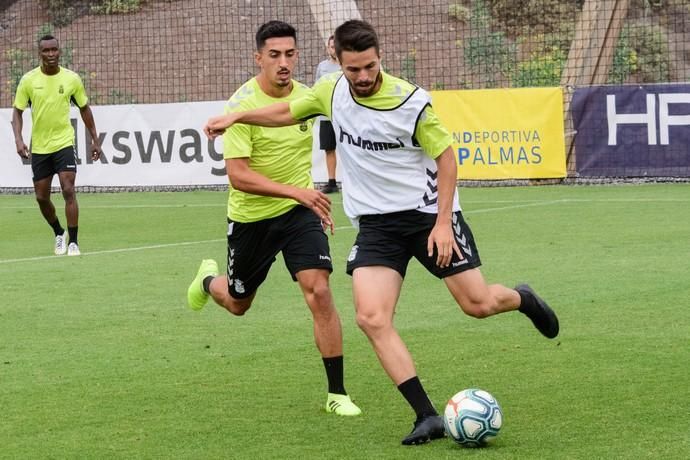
(100, 358)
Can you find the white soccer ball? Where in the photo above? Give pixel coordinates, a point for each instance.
(473, 417)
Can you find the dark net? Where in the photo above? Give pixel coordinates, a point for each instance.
(154, 51)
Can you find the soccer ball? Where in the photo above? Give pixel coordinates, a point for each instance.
(472, 417)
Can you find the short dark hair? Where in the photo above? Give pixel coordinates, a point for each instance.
(355, 35)
(47, 37)
(273, 29)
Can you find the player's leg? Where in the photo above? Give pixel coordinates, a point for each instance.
(331, 164)
(375, 293)
(478, 299)
(327, 143)
(65, 164)
(376, 290)
(475, 297)
(67, 180)
(328, 336)
(378, 263)
(317, 293)
(43, 172)
(42, 191)
(251, 252)
(45, 204)
(307, 256)
(220, 292)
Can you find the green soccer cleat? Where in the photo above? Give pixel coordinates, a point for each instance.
(196, 296)
(341, 405)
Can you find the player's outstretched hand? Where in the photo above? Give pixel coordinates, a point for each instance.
(215, 126)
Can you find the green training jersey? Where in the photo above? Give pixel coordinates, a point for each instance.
(281, 154)
(49, 97)
(432, 136)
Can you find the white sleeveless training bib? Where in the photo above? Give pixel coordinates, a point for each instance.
(384, 168)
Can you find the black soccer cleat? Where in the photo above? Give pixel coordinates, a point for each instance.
(328, 188)
(542, 316)
(425, 430)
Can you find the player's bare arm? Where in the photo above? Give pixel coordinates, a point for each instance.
(245, 179)
(17, 125)
(274, 115)
(87, 117)
(441, 235)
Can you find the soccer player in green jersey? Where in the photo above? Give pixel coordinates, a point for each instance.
(273, 207)
(49, 90)
(400, 189)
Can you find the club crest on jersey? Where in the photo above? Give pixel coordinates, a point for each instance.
(61, 90)
(303, 126)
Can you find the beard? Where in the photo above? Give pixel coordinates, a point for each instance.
(367, 89)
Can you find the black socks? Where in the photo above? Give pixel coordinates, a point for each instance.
(334, 374)
(57, 228)
(73, 234)
(206, 283)
(527, 302)
(415, 395)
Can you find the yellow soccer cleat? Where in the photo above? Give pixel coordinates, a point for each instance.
(196, 296)
(341, 405)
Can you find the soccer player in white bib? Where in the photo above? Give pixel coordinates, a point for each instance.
(273, 208)
(400, 189)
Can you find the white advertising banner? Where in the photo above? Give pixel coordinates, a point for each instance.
(143, 145)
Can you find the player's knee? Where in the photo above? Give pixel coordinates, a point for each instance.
(371, 322)
(68, 192)
(321, 296)
(43, 200)
(235, 307)
(479, 307)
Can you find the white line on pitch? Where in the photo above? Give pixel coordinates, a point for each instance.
(515, 206)
(188, 243)
(113, 251)
(473, 202)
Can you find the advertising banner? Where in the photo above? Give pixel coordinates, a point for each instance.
(505, 133)
(143, 145)
(632, 131)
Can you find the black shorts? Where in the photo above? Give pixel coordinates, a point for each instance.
(326, 135)
(253, 246)
(393, 239)
(48, 164)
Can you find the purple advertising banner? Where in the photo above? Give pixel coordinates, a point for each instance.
(632, 131)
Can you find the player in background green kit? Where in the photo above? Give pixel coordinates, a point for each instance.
(273, 208)
(49, 90)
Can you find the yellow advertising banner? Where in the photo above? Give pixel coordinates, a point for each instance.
(505, 133)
